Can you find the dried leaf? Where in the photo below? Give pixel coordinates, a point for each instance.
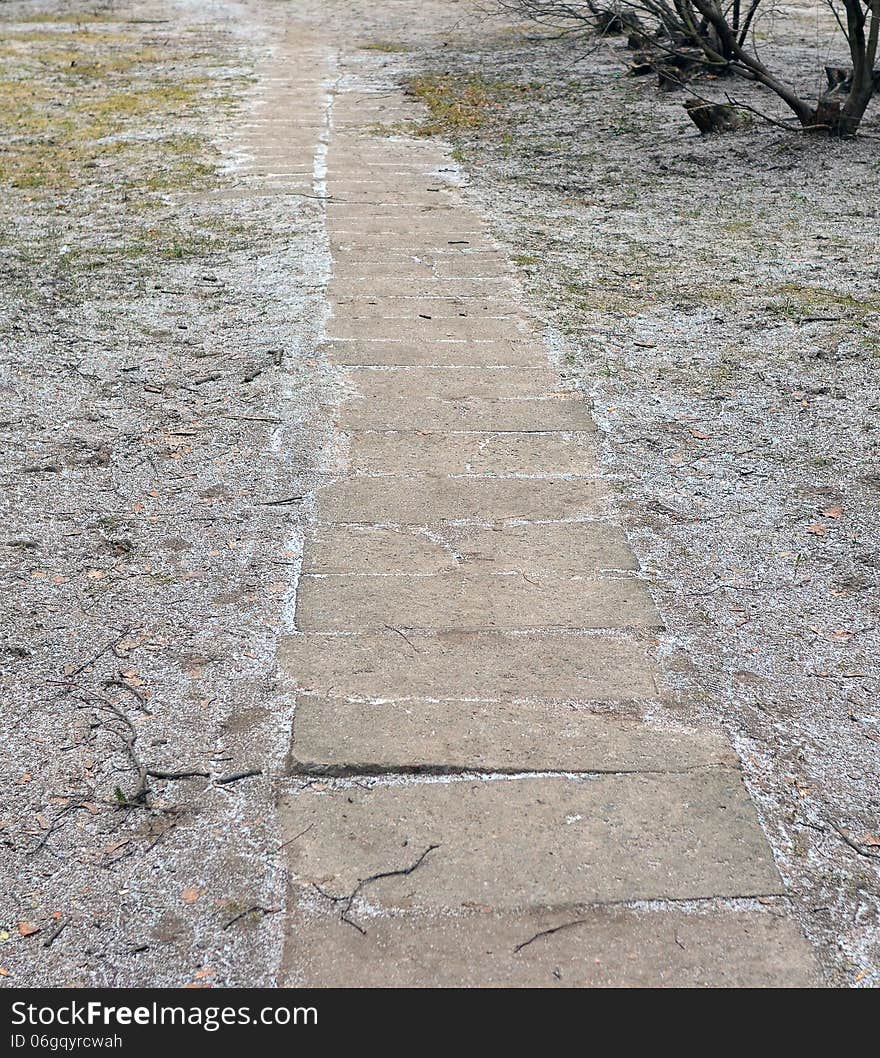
(832, 512)
(700, 436)
(28, 929)
(190, 896)
(817, 529)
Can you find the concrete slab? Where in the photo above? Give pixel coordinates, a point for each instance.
(335, 736)
(413, 451)
(428, 500)
(384, 287)
(443, 383)
(412, 242)
(412, 308)
(576, 948)
(546, 666)
(532, 842)
(455, 224)
(568, 414)
(471, 601)
(434, 329)
(448, 353)
(359, 264)
(560, 547)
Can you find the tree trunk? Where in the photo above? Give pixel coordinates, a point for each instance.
(842, 106)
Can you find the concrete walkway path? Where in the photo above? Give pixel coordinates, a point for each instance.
(476, 794)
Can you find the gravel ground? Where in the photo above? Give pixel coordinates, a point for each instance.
(156, 407)
(717, 300)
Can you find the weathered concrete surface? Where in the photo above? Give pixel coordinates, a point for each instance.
(376, 385)
(339, 736)
(547, 666)
(533, 842)
(471, 601)
(471, 453)
(462, 289)
(484, 329)
(430, 499)
(448, 353)
(560, 547)
(575, 948)
(465, 413)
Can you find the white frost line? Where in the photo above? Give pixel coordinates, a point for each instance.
(319, 188)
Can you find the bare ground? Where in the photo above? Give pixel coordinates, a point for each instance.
(155, 411)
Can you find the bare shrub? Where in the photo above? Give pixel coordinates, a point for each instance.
(681, 39)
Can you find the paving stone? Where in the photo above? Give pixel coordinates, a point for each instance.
(451, 353)
(456, 225)
(467, 249)
(409, 267)
(449, 266)
(418, 383)
(335, 736)
(546, 666)
(409, 308)
(427, 500)
(359, 155)
(392, 186)
(471, 328)
(416, 195)
(560, 547)
(470, 601)
(373, 549)
(410, 413)
(577, 948)
(533, 842)
(474, 453)
(428, 205)
(378, 169)
(465, 289)
(386, 181)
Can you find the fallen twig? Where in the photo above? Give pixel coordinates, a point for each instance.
(227, 779)
(55, 934)
(251, 911)
(290, 841)
(364, 882)
(853, 844)
(100, 654)
(154, 773)
(547, 933)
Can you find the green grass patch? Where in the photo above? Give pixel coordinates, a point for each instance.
(460, 103)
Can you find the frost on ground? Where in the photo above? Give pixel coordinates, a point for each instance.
(717, 299)
(155, 413)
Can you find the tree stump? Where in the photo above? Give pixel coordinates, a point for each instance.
(714, 117)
